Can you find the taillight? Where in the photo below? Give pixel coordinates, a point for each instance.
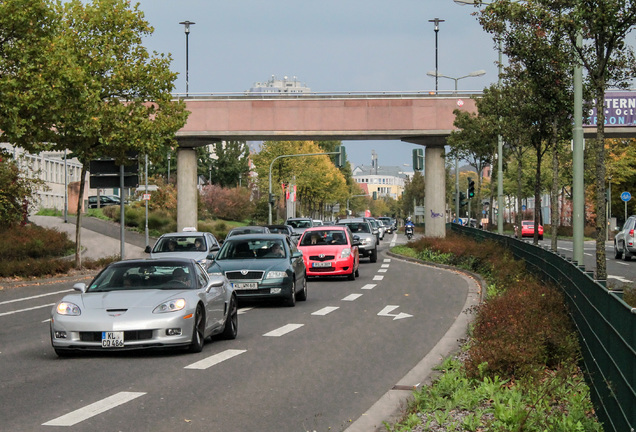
(631, 233)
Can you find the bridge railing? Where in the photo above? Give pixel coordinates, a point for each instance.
(605, 323)
(332, 95)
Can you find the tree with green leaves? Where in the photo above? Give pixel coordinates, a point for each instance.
(116, 98)
(229, 162)
(414, 193)
(30, 74)
(16, 191)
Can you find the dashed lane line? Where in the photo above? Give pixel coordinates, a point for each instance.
(215, 359)
(326, 310)
(27, 309)
(382, 270)
(368, 286)
(352, 297)
(378, 278)
(33, 297)
(94, 409)
(284, 330)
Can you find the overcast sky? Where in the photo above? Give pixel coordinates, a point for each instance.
(328, 45)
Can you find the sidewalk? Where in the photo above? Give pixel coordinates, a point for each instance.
(99, 238)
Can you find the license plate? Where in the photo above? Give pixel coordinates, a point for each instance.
(321, 264)
(245, 285)
(112, 339)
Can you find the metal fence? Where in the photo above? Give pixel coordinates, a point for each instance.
(606, 326)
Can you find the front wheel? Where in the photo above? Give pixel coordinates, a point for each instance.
(230, 330)
(196, 346)
(302, 295)
(291, 300)
(617, 253)
(374, 255)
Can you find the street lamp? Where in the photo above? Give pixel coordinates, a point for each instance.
(436, 21)
(472, 74)
(187, 25)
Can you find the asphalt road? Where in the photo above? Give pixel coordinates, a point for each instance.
(319, 366)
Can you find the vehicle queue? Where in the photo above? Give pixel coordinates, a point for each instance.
(189, 289)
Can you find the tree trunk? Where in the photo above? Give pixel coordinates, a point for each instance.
(519, 214)
(537, 195)
(78, 224)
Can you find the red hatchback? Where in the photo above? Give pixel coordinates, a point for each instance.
(330, 251)
(527, 229)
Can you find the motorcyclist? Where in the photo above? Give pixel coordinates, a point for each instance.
(409, 226)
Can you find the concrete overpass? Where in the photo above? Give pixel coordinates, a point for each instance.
(420, 118)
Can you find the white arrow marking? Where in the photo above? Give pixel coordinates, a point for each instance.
(387, 312)
(620, 278)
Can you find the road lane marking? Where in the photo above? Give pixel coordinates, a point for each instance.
(27, 309)
(390, 308)
(384, 266)
(33, 297)
(94, 409)
(387, 260)
(622, 263)
(241, 311)
(215, 359)
(376, 277)
(284, 330)
(325, 310)
(352, 297)
(619, 278)
(368, 286)
(382, 270)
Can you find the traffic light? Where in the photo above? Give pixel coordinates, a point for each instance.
(462, 199)
(418, 159)
(272, 199)
(471, 188)
(341, 157)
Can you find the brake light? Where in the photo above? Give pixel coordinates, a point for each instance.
(631, 233)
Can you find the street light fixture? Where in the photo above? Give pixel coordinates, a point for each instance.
(187, 25)
(477, 73)
(436, 21)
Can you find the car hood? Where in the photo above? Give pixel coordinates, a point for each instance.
(135, 299)
(223, 266)
(322, 249)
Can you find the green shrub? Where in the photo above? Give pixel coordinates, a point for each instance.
(158, 220)
(32, 241)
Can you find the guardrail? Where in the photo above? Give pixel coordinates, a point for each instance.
(605, 323)
(332, 95)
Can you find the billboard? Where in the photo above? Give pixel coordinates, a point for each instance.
(620, 110)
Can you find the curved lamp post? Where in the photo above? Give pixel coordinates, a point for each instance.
(187, 25)
(470, 75)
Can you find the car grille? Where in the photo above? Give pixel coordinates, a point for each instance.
(130, 335)
(237, 275)
(324, 258)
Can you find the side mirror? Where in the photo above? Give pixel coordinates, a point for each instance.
(297, 254)
(80, 286)
(147, 250)
(215, 248)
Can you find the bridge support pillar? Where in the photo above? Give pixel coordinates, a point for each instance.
(187, 199)
(435, 178)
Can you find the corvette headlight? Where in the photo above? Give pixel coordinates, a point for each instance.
(276, 274)
(68, 308)
(346, 252)
(170, 306)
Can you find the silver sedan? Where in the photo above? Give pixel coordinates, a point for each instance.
(145, 303)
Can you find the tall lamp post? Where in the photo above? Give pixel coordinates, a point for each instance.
(477, 73)
(436, 21)
(187, 25)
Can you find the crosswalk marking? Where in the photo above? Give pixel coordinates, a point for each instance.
(94, 409)
(215, 359)
(284, 330)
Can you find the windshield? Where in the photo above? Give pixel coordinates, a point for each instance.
(252, 249)
(299, 223)
(181, 244)
(142, 276)
(358, 227)
(323, 237)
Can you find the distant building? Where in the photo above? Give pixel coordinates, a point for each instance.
(279, 87)
(385, 180)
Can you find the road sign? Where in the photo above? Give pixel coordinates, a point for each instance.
(419, 211)
(523, 207)
(146, 197)
(626, 196)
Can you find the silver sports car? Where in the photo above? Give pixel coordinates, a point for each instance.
(145, 303)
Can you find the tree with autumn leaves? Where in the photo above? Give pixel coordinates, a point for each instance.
(103, 94)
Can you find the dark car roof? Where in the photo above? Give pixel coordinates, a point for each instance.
(176, 260)
(257, 235)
